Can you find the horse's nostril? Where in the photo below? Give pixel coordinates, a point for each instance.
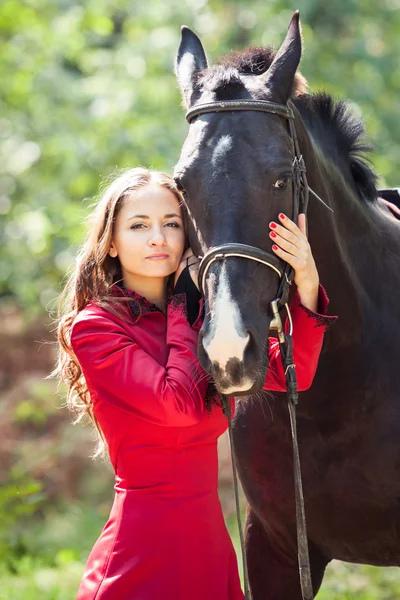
(252, 351)
(235, 371)
(231, 373)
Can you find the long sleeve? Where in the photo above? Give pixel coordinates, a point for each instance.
(119, 371)
(308, 335)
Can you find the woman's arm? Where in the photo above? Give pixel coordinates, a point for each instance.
(308, 306)
(118, 371)
(308, 335)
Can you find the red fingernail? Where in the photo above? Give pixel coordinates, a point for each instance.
(282, 216)
(273, 225)
(272, 234)
(274, 247)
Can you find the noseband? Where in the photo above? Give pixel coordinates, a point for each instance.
(300, 199)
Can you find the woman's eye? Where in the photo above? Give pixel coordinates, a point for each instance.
(137, 226)
(281, 183)
(172, 224)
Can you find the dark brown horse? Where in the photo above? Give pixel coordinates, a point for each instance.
(236, 171)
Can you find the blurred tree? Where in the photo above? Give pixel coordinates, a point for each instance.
(88, 87)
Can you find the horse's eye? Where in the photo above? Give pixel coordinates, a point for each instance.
(281, 183)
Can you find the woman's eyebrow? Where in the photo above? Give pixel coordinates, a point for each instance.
(167, 216)
(138, 217)
(171, 215)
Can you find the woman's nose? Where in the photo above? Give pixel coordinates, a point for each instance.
(157, 239)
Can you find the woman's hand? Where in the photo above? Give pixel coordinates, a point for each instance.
(291, 244)
(188, 260)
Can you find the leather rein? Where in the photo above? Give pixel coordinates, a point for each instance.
(285, 272)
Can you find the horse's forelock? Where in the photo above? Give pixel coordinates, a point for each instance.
(250, 61)
(218, 77)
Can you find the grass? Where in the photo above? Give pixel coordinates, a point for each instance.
(34, 581)
(58, 549)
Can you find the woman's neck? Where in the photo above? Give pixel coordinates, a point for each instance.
(152, 288)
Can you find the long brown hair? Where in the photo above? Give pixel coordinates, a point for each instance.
(94, 275)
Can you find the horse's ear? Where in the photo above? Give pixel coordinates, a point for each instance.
(280, 75)
(189, 59)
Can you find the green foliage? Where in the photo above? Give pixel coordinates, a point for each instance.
(89, 88)
(48, 465)
(56, 548)
(19, 499)
(346, 582)
(36, 409)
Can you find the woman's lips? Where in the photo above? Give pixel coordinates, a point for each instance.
(157, 257)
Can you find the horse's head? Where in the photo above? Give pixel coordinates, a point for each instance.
(236, 171)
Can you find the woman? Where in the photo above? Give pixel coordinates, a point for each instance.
(128, 354)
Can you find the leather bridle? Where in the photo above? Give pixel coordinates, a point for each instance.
(300, 194)
(285, 272)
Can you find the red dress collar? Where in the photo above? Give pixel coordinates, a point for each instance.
(139, 305)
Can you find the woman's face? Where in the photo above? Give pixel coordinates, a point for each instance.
(148, 234)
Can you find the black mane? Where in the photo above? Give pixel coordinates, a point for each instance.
(341, 135)
(337, 130)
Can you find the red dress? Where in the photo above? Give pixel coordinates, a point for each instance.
(166, 536)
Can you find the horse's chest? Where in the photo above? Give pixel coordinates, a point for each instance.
(350, 477)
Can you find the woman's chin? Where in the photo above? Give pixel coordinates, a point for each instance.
(159, 270)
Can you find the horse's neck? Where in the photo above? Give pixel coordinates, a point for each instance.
(347, 245)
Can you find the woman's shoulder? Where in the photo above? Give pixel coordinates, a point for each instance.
(101, 315)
